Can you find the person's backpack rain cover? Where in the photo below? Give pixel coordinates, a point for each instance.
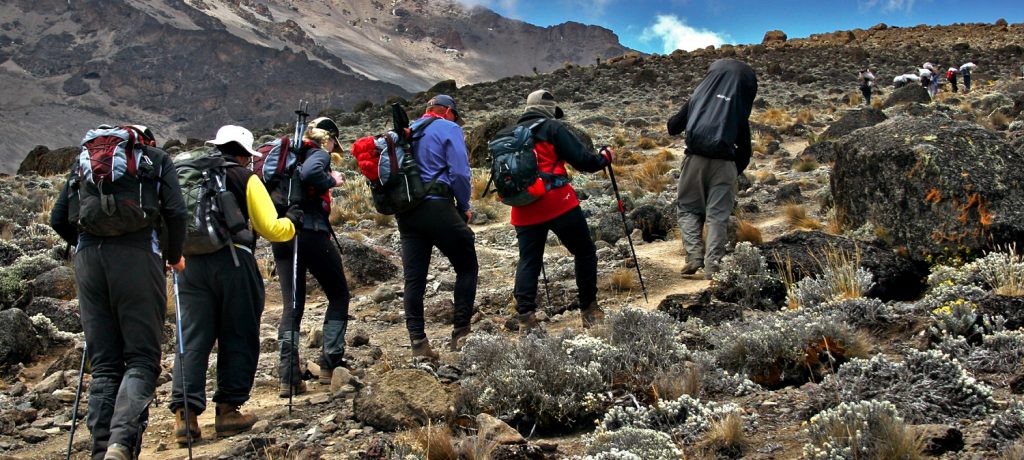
(721, 102)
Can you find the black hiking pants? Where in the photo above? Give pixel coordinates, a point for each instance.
(571, 229)
(123, 299)
(219, 303)
(436, 223)
(865, 90)
(318, 255)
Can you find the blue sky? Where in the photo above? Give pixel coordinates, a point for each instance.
(655, 26)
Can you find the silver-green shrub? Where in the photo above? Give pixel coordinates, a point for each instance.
(829, 286)
(864, 312)
(685, 418)
(643, 344)
(1001, 351)
(861, 430)
(630, 443)
(927, 387)
(1008, 426)
(744, 279)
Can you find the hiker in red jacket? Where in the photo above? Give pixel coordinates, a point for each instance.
(558, 210)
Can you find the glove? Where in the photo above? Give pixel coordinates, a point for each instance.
(294, 214)
(608, 155)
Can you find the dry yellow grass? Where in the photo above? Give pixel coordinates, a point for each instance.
(805, 116)
(649, 174)
(805, 164)
(747, 231)
(670, 385)
(998, 121)
(856, 99)
(1008, 279)
(774, 117)
(621, 280)
(796, 216)
(1014, 452)
(842, 266)
(788, 278)
(727, 435)
(435, 442)
(354, 204)
(47, 206)
(646, 143)
(760, 142)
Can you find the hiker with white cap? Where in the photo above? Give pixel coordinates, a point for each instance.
(965, 71)
(222, 292)
(951, 74)
(927, 76)
(119, 274)
(900, 81)
(318, 255)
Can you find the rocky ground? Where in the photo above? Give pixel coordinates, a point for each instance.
(778, 352)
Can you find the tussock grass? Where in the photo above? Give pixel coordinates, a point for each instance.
(805, 164)
(619, 139)
(842, 267)
(726, 435)
(355, 204)
(998, 121)
(1013, 452)
(760, 142)
(649, 172)
(797, 218)
(788, 278)
(489, 205)
(646, 143)
(747, 231)
(856, 99)
(774, 117)
(621, 280)
(670, 385)
(805, 116)
(46, 204)
(435, 442)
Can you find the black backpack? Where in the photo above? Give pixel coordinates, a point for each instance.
(114, 186)
(214, 218)
(720, 102)
(515, 174)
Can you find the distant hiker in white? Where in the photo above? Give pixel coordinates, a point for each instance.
(926, 80)
(965, 71)
(900, 81)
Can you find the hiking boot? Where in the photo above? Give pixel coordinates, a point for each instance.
(117, 451)
(181, 432)
(458, 334)
(230, 421)
(421, 349)
(297, 389)
(709, 271)
(325, 376)
(528, 322)
(592, 315)
(691, 268)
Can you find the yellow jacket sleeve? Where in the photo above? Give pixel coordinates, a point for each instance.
(263, 215)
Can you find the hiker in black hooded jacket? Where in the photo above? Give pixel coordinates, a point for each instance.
(320, 256)
(122, 295)
(715, 120)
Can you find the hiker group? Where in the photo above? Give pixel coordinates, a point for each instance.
(133, 214)
(929, 74)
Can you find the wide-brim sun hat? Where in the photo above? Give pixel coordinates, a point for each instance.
(331, 127)
(236, 134)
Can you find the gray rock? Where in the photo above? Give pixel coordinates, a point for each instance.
(907, 94)
(789, 193)
(58, 283)
(365, 264)
(494, 430)
(33, 435)
(359, 338)
(700, 305)
(934, 185)
(401, 399)
(939, 439)
(652, 221)
(64, 314)
(50, 384)
(18, 342)
(853, 120)
(340, 378)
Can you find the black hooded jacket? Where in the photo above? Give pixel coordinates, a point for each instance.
(716, 116)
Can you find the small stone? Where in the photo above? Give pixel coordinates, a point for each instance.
(340, 378)
(261, 426)
(67, 396)
(383, 294)
(320, 398)
(360, 338)
(541, 316)
(161, 447)
(328, 419)
(548, 446)
(50, 384)
(293, 424)
(493, 429)
(17, 389)
(316, 337)
(33, 435)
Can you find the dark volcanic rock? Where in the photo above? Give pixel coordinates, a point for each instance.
(476, 140)
(853, 120)
(46, 162)
(700, 305)
(895, 277)
(365, 264)
(58, 283)
(934, 185)
(788, 193)
(939, 439)
(64, 314)
(907, 94)
(652, 221)
(18, 342)
(822, 152)
(1011, 308)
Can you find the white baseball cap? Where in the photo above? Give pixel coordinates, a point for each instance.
(236, 134)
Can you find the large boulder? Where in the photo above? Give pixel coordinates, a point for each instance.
(58, 283)
(401, 399)
(46, 162)
(774, 36)
(895, 277)
(907, 94)
(652, 221)
(822, 151)
(18, 341)
(365, 264)
(476, 140)
(935, 186)
(700, 305)
(853, 120)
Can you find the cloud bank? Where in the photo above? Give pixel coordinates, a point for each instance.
(675, 34)
(889, 6)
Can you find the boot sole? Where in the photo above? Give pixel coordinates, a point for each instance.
(229, 433)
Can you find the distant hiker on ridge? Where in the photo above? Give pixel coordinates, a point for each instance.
(866, 79)
(965, 72)
(715, 120)
(951, 77)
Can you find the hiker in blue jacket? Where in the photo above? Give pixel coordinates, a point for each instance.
(439, 221)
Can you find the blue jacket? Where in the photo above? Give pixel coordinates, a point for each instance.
(443, 144)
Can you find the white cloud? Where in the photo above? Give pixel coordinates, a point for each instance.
(889, 6)
(505, 5)
(675, 34)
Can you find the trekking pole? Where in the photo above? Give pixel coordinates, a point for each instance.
(625, 227)
(294, 338)
(181, 360)
(300, 124)
(78, 397)
(544, 273)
